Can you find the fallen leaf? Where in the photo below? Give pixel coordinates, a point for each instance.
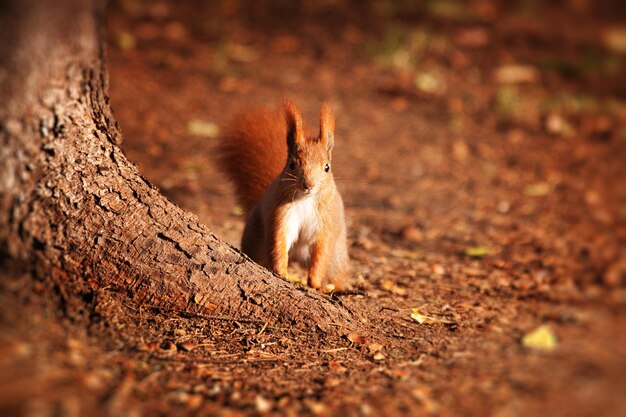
(337, 367)
(557, 125)
(357, 338)
(202, 128)
(516, 74)
(124, 41)
(539, 189)
(405, 254)
(187, 346)
(518, 106)
(424, 396)
(178, 397)
(542, 338)
(615, 274)
(412, 234)
(437, 269)
(195, 401)
(318, 409)
(198, 298)
(333, 382)
(390, 286)
(593, 197)
(296, 279)
(429, 83)
(473, 272)
(615, 39)
(477, 251)
(393, 201)
(147, 347)
(503, 207)
(378, 356)
(451, 10)
(421, 318)
(262, 405)
(460, 150)
(375, 347)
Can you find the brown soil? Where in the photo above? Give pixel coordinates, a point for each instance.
(488, 195)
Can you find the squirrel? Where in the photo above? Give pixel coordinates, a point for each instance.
(284, 183)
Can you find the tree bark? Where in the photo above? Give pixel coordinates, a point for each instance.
(81, 215)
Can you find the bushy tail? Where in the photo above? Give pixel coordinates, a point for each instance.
(252, 152)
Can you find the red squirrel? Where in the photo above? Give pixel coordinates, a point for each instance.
(284, 182)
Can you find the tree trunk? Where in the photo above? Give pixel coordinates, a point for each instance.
(75, 209)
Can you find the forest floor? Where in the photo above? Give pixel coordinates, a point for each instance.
(480, 152)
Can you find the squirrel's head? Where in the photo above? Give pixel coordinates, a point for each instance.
(309, 159)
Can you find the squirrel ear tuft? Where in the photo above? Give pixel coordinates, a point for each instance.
(294, 124)
(327, 126)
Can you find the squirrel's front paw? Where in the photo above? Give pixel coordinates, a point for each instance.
(314, 283)
(328, 288)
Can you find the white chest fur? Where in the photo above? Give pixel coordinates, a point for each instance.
(301, 224)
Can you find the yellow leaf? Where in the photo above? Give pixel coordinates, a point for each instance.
(400, 253)
(296, 279)
(198, 127)
(124, 40)
(477, 251)
(198, 298)
(422, 318)
(542, 338)
(429, 83)
(539, 189)
(389, 285)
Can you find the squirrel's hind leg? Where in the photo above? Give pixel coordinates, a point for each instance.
(339, 268)
(252, 241)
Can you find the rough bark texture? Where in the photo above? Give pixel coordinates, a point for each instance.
(73, 206)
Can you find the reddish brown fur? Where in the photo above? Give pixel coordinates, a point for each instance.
(252, 152)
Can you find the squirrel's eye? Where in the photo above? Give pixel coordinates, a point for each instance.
(326, 168)
(292, 164)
